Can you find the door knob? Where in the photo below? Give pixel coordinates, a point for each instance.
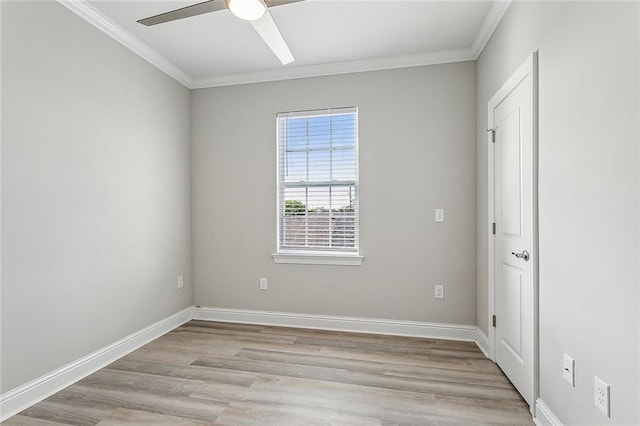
(524, 255)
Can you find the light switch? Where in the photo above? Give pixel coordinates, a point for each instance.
(439, 215)
(568, 365)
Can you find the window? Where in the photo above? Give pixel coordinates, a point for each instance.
(318, 186)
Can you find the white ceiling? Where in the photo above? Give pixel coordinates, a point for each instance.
(325, 36)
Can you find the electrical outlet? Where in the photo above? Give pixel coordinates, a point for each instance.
(439, 215)
(438, 292)
(263, 283)
(601, 395)
(180, 281)
(568, 365)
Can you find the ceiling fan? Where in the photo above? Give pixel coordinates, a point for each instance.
(254, 11)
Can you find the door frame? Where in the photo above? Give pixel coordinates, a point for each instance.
(528, 68)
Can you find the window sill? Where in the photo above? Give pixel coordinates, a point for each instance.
(346, 259)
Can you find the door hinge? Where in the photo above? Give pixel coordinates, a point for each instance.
(494, 321)
(493, 134)
(493, 228)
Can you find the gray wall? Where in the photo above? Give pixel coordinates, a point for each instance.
(589, 187)
(417, 153)
(95, 191)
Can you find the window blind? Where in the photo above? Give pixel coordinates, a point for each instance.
(318, 180)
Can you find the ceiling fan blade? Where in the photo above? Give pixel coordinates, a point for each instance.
(269, 32)
(185, 12)
(274, 3)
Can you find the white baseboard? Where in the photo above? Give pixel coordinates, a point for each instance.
(349, 324)
(22, 397)
(482, 341)
(544, 416)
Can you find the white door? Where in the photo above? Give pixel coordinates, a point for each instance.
(512, 111)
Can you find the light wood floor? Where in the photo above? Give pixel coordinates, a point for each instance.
(232, 374)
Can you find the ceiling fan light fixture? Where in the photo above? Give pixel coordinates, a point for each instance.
(249, 10)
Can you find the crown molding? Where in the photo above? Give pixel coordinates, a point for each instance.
(489, 25)
(83, 9)
(378, 64)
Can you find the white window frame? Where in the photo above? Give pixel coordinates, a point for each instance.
(308, 256)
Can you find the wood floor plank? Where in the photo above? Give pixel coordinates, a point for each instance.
(205, 373)
(190, 347)
(79, 395)
(226, 325)
(379, 367)
(311, 360)
(141, 382)
(257, 413)
(348, 398)
(400, 359)
(176, 404)
(123, 417)
(64, 412)
(359, 378)
(405, 405)
(287, 402)
(377, 346)
(162, 357)
(238, 334)
(21, 420)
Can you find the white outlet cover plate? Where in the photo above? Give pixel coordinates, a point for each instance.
(438, 292)
(439, 215)
(601, 392)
